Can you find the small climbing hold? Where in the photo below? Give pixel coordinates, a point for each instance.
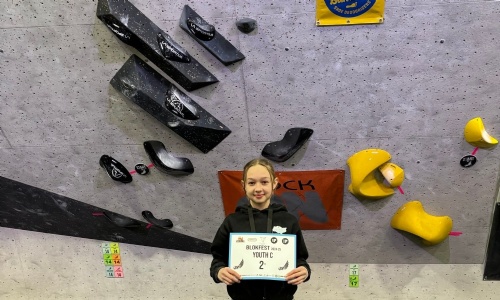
(246, 25)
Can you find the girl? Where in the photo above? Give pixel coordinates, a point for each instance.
(259, 215)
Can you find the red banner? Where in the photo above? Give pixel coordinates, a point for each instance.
(314, 197)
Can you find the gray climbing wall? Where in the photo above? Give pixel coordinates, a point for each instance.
(407, 86)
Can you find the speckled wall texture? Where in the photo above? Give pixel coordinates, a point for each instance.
(408, 86)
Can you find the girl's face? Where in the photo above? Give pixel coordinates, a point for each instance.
(259, 186)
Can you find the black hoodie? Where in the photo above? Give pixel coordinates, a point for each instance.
(239, 222)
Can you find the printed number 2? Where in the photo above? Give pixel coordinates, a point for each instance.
(261, 264)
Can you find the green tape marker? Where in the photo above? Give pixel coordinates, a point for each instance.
(354, 281)
(354, 275)
(108, 259)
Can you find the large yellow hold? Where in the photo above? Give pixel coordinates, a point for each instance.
(365, 166)
(412, 218)
(476, 135)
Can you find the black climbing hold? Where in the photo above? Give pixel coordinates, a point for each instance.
(115, 169)
(121, 32)
(133, 28)
(121, 221)
(141, 169)
(165, 161)
(281, 151)
(171, 50)
(164, 223)
(246, 25)
(180, 105)
(26, 207)
(201, 31)
(144, 86)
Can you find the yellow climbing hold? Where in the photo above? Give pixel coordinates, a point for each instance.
(476, 135)
(363, 166)
(412, 218)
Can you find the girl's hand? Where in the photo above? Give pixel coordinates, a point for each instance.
(229, 276)
(297, 275)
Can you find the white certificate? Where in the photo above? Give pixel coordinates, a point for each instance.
(262, 255)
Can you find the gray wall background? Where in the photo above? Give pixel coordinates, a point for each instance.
(408, 86)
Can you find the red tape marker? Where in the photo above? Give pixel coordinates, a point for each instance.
(455, 233)
(474, 151)
(401, 190)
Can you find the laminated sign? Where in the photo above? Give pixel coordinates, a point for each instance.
(349, 12)
(313, 197)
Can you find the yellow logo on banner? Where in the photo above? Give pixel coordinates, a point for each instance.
(349, 12)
